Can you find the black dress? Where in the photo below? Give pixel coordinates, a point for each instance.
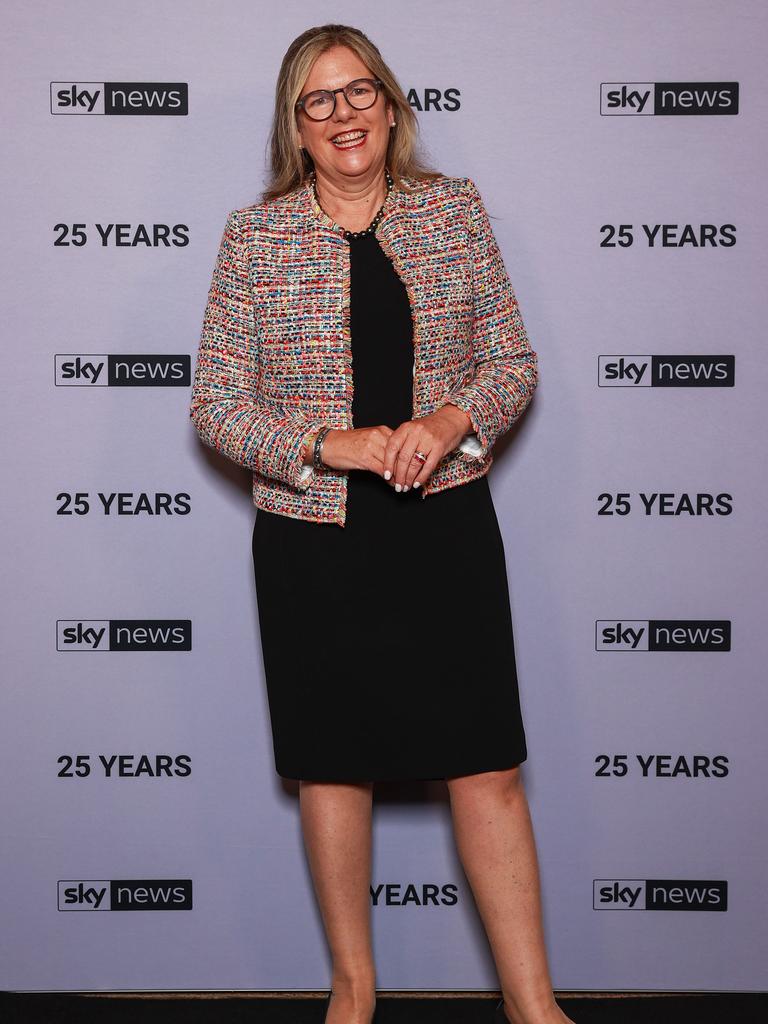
(410, 672)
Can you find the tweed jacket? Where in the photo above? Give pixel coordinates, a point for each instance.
(274, 362)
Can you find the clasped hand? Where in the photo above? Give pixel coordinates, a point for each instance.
(390, 452)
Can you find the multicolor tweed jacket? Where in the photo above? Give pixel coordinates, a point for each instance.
(274, 362)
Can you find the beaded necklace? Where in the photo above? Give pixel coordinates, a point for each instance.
(372, 226)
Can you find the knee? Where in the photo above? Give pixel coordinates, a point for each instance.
(505, 784)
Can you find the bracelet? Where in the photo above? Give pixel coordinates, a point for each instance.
(317, 460)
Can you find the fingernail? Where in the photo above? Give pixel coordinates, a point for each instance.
(398, 487)
(405, 487)
(417, 483)
(387, 474)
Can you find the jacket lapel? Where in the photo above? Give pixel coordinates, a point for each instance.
(394, 234)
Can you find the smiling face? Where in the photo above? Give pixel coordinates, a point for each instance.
(365, 156)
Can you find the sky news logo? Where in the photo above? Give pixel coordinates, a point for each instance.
(677, 98)
(123, 635)
(120, 98)
(659, 894)
(87, 370)
(628, 371)
(663, 635)
(125, 894)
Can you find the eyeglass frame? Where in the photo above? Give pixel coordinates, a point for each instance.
(301, 103)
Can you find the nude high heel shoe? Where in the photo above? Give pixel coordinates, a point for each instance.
(373, 1019)
(500, 1016)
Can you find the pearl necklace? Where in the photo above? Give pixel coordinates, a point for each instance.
(374, 223)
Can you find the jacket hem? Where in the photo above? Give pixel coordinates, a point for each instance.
(330, 491)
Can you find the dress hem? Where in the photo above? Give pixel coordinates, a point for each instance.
(296, 777)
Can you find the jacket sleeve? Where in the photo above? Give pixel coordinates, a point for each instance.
(506, 367)
(224, 406)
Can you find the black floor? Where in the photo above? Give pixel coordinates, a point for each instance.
(221, 1008)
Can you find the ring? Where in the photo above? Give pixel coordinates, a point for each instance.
(420, 456)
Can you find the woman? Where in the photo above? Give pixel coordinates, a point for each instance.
(362, 349)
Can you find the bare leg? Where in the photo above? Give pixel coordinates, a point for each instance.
(495, 841)
(336, 822)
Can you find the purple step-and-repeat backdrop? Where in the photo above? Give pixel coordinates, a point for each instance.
(620, 150)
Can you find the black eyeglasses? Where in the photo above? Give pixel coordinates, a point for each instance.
(321, 103)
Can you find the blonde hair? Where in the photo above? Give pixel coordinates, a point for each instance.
(290, 166)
